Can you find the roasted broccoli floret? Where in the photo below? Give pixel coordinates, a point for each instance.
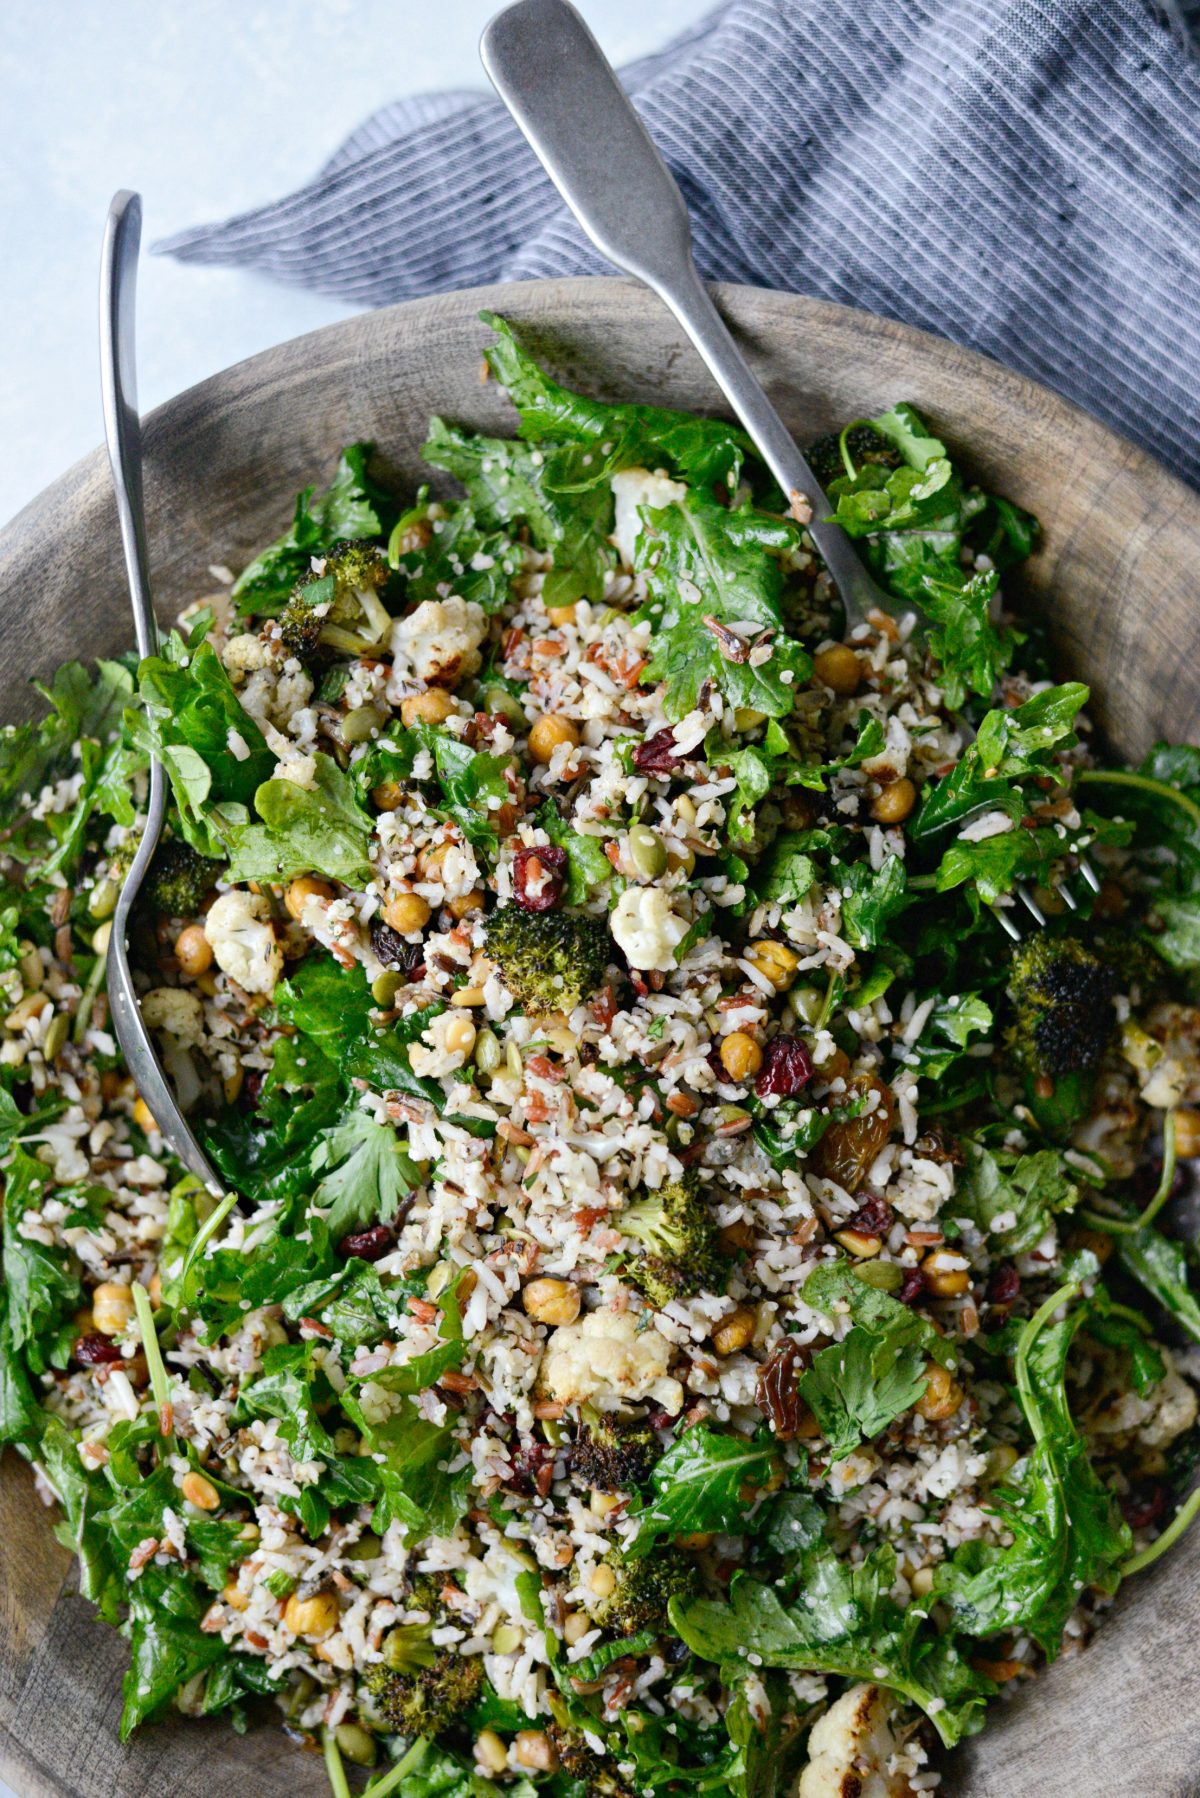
(179, 879)
(338, 608)
(1062, 999)
(550, 960)
(594, 1772)
(863, 444)
(678, 1236)
(418, 1688)
(638, 1602)
(613, 1453)
(357, 619)
(299, 628)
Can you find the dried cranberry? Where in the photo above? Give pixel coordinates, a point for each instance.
(539, 876)
(656, 754)
(873, 1218)
(1144, 1505)
(1004, 1287)
(366, 1245)
(96, 1350)
(391, 947)
(912, 1287)
(786, 1070)
(532, 1467)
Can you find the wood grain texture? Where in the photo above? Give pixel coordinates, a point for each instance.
(224, 462)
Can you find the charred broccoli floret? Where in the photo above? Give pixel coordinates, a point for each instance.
(1062, 999)
(863, 444)
(419, 1688)
(299, 628)
(678, 1234)
(179, 879)
(613, 1453)
(339, 608)
(638, 1602)
(594, 1772)
(550, 960)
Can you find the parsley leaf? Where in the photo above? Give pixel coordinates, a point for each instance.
(999, 1183)
(842, 1620)
(698, 1485)
(702, 450)
(703, 561)
(877, 1372)
(322, 829)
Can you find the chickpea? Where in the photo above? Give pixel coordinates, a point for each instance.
(741, 1056)
(603, 1581)
(311, 1617)
(1187, 1134)
(858, 1243)
(112, 1308)
(433, 707)
(460, 1036)
(922, 1582)
(301, 891)
(200, 1492)
(696, 1541)
(429, 861)
(576, 1624)
(839, 668)
(942, 1395)
(236, 1599)
(547, 732)
(387, 795)
(407, 913)
(944, 1278)
(533, 1748)
(734, 1332)
(775, 961)
(490, 1752)
(560, 615)
(895, 802)
(193, 951)
(466, 903)
(551, 1301)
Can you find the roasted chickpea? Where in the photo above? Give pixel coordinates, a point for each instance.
(839, 668)
(895, 802)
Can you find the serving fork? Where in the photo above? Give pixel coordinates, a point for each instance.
(564, 94)
(123, 435)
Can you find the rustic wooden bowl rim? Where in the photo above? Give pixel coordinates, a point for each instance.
(224, 461)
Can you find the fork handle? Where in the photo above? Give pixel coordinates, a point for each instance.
(564, 94)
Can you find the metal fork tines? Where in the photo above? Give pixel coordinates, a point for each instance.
(1028, 899)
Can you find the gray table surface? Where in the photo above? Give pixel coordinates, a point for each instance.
(207, 108)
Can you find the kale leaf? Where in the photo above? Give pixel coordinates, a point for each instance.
(353, 505)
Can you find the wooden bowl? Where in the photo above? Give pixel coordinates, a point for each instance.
(224, 462)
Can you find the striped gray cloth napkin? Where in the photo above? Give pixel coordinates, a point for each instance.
(1022, 176)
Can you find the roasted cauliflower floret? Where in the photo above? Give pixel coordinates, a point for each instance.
(851, 1749)
(607, 1359)
(634, 487)
(238, 927)
(1124, 1420)
(179, 1013)
(646, 929)
(439, 642)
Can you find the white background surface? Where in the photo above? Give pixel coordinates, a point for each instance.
(208, 107)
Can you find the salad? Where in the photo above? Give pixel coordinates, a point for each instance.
(693, 1307)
